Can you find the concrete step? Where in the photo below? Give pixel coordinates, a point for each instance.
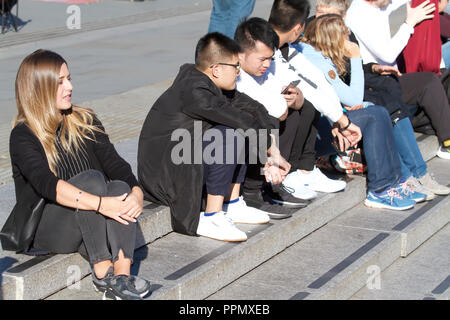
(423, 275)
(183, 267)
(36, 278)
(347, 254)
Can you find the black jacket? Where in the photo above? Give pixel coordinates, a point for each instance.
(32, 172)
(192, 97)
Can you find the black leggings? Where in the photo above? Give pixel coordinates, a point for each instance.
(94, 236)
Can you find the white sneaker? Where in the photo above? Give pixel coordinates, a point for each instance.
(239, 212)
(429, 183)
(317, 181)
(443, 153)
(219, 227)
(415, 185)
(296, 187)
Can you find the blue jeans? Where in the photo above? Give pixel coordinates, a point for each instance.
(383, 162)
(380, 150)
(410, 156)
(227, 14)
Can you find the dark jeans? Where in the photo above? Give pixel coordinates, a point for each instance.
(94, 236)
(425, 90)
(380, 150)
(221, 170)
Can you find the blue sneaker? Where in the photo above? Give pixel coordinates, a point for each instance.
(388, 199)
(407, 190)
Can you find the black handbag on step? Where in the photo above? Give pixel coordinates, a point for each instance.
(19, 229)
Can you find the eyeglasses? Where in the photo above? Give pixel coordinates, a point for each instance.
(237, 65)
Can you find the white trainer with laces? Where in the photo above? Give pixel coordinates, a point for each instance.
(297, 188)
(415, 185)
(317, 181)
(219, 227)
(239, 212)
(429, 183)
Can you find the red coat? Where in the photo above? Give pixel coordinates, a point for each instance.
(424, 49)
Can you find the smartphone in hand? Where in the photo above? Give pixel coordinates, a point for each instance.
(293, 84)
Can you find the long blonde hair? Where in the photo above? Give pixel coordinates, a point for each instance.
(327, 34)
(36, 90)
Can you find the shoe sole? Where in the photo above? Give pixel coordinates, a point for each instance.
(279, 216)
(110, 295)
(234, 240)
(442, 155)
(328, 191)
(377, 205)
(419, 200)
(290, 204)
(104, 290)
(241, 222)
(445, 193)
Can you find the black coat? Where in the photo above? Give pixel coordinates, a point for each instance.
(192, 96)
(33, 180)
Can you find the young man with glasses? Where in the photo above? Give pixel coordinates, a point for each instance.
(202, 105)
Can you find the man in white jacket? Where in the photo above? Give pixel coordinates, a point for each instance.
(263, 77)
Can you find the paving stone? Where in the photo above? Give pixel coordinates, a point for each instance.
(423, 275)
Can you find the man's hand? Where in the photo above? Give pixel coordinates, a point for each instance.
(294, 98)
(277, 168)
(423, 11)
(385, 70)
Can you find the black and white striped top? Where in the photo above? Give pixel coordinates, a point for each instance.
(71, 164)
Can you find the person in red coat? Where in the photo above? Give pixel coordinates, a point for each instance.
(424, 49)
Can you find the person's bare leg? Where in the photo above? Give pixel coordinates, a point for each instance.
(235, 190)
(101, 268)
(214, 203)
(122, 265)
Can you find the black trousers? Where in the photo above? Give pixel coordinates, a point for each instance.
(94, 236)
(425, 90)
(297, 144)
(303, 153)
(221, 170)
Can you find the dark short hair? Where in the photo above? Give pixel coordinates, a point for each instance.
(214, 47)
(256, 29)
(285, 14)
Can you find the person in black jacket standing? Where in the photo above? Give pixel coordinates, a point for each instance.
(61, 153)
(202, 102)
